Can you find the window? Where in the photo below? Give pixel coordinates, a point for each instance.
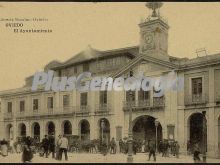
(159, 101)
(75, 70)
(83, 99)
(143, 95)
(66, 100)
(59, 73)
(85, 67)
(197, 86)
(22, 106)
(35, 104)
(65, 72)
(109, 62)
(128, 97)
(9, 107)
(50, 102)
(103, 97)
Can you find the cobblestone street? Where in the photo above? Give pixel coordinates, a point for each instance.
(98, 158)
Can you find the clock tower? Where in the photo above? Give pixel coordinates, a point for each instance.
(154, 34)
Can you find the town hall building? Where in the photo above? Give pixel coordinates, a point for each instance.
(191, 114)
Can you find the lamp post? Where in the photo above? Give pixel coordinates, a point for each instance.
(156, 122)
(130, 137)
(102, 127)
(204, 136)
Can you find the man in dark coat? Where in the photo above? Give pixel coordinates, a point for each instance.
(165, 148)
(120, 146)
(51, 141)
(27, 154)
(152, 148)
(113, 146)
(196, 153)
(45, 145)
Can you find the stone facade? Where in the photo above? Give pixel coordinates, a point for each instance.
(174, 111)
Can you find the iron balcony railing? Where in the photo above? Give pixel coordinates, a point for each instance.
(46, 112)
(196, 99)
(136, 104)
(140, 104)
(8, 115)
(158, 101)
(102, 108)
(82, 110)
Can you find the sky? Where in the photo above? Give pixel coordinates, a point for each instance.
(104, 26)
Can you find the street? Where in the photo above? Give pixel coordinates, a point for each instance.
(98, 158)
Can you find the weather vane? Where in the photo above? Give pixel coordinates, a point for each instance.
(154, 6)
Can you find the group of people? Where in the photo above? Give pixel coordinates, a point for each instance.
(48, 145)
(10, 146)
(164, 146)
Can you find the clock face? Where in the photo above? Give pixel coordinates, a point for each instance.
(148, 38)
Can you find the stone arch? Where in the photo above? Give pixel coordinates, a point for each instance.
(9, 131)
(66, 127)
(84, 130)
(197, 130)
(35, 130)
(22, 130)
(50, 128)
(104, 130)
(144, 128)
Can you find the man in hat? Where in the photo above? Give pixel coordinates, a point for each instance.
(51, 141)
(152, 148)
(45, 145)
(58, 143)
(64, 144)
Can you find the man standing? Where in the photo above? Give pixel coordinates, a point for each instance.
(120, 145)
(12, 147)
(58, 143)
(113, 146)
(196, 153)
(63, 147)
(152, 148)
(51, 141)
(45, 145)
(177, 148)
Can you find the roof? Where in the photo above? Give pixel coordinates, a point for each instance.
(200, 61)
(90, 54)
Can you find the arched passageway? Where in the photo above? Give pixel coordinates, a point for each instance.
(197, 130)
(67, 128)
(36, 131)
(104, 130)
(144, 128)
(84, 130)
(9, 132)
(22, 130)
(50, 128)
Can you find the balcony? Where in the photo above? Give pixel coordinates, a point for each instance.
(198, 99)
(20, 114)
(82, 110)
(8, 115)
(48, 112)
(102, 109)
(158, 102)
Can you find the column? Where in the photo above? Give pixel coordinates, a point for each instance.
(210, 117)
(28, 128)
(42, 129)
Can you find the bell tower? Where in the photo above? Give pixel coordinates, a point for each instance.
(154, 33)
